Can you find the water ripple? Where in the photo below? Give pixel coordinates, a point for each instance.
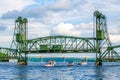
(34, 71)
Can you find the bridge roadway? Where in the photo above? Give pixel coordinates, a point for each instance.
(57, 51)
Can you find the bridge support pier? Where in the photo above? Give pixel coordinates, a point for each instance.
(98, 63)
(22, 60)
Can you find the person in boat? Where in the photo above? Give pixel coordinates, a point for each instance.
(83, 62)
(50, 63)
(70, 63)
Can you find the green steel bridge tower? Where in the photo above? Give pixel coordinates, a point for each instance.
(20, 38)
(98, 44)
(104, 49)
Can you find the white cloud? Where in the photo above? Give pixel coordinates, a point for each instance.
(6, 35)
(53, 18)
(62, 4)
(114, 30)
(66, 29)
(87, 26)
(8, 5)
(5, 41)
(115, 38)
(37, 29)
(86, 29)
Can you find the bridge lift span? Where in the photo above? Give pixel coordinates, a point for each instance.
(99, 44)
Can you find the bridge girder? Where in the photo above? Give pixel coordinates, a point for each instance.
(65, 44)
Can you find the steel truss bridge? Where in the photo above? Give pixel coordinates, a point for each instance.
(99, 43)
(63, 44)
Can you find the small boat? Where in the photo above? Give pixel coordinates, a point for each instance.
(70, 64)
(83, 62)
(50, 63)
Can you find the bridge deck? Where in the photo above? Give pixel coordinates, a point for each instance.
(58, 51)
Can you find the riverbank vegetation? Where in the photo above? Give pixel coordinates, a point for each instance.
(3, 56)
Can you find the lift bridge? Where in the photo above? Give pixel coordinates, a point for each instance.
(99, 43)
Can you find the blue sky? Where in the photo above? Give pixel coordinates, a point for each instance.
(58, 17)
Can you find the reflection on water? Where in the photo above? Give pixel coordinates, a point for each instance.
(21, 72)
(37, 71)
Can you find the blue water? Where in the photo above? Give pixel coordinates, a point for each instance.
(37, 71)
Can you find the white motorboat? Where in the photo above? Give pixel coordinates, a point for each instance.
(83, 62)
(50, 63)
(70, 64)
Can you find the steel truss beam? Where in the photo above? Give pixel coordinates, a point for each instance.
(69, 44)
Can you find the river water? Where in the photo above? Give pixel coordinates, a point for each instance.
(37, 71)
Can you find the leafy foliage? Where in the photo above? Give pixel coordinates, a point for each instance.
(3, 54)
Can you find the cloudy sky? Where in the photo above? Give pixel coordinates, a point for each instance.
(58, 17)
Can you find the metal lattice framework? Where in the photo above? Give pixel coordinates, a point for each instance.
(104, 49)
(20, 37)
(64, 44)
